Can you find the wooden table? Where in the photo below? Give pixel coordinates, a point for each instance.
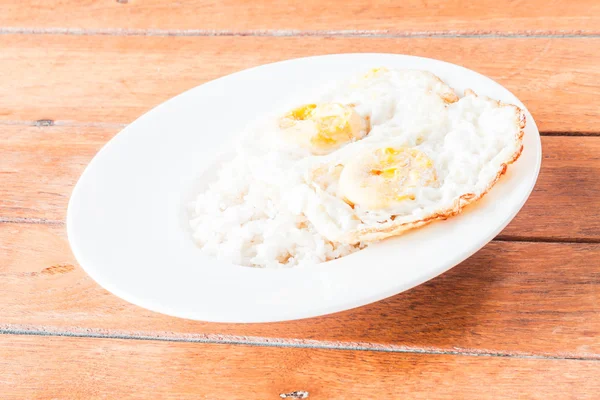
(520, 319)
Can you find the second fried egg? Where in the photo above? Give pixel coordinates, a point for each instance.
(386, 184)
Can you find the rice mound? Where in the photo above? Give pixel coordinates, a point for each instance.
(251, 216)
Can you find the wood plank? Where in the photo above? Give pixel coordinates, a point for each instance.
(411, 16)
(44, 167)
(80, 368)
(548, 293)
(40, 166)
(116, 79)
(566, 190)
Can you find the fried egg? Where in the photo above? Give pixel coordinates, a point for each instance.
(377, 188)
(323, 127)
(386, 176)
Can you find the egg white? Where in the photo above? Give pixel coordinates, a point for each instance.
(470, 143)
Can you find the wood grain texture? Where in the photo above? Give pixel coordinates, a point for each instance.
(115, 79)
(510, 298)
(566, 191)
(36, 367)
(40, 166)
(411, 16)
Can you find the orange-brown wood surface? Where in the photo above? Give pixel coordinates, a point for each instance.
(115, 79)
(37, 367)
(519, 319)
(350, 16)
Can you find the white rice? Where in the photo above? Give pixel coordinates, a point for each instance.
(252, 215)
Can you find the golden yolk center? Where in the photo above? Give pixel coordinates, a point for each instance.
(323, 126)
(384, 177)
(400, 169)
(304, 112)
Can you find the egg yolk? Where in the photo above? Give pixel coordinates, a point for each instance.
(384, 177)
(322, 128)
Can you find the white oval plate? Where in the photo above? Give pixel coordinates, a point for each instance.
(127, 226)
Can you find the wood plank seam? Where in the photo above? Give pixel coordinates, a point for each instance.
(574, 134)
(20, 220)
(499, 238)
(544, 239)
(291, 343)
(344, 33)
(50, 122)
